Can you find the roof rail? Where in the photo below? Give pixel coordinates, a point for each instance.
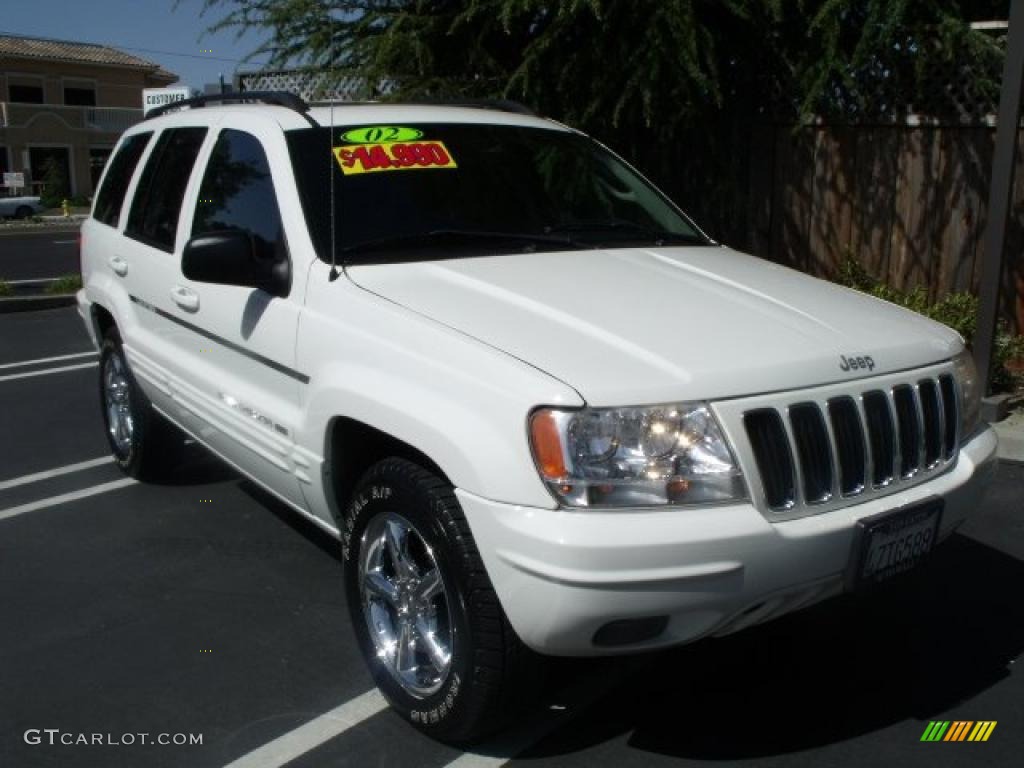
(279, 98)
(499, 105)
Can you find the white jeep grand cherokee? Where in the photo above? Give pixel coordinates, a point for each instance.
(538, 407)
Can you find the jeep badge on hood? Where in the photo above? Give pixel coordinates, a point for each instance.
(853, 363)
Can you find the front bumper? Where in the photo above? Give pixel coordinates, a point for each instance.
(562, 574)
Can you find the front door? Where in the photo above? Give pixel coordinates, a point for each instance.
(238, 386)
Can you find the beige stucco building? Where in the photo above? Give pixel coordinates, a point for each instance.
(70, 102)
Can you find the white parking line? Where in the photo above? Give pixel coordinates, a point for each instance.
(66, 497)
(64, 242)
(47, 359)
(295, 743)
(48, 371)
(572, 700)
(57, 472)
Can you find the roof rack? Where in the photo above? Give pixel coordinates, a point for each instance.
(278, 98)
(499, 105)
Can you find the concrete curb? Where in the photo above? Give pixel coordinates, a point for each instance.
(33, 303)
(1011, 436)
(48, 224)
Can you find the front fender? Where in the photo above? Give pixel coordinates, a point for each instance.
(461, 403)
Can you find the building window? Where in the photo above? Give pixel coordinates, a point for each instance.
(26, 94)
(4, 167)
(80, 97)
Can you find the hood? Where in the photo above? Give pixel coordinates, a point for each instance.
(638, 326)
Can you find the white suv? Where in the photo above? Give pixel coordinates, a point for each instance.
(538, 407)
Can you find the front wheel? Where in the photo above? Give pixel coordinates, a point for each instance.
(23, 212)
(427, 618)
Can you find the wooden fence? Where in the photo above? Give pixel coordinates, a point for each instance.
(908, 202)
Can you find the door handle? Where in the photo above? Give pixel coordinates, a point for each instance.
(185, 298)
(119, 265)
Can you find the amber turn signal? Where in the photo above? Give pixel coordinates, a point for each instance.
(547, 447)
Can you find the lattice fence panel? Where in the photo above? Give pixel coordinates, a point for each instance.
(315, 85)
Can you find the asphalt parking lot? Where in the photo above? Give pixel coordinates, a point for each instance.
(204, 607)
(29, 254)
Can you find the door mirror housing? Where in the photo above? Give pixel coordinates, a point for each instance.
(234, 257)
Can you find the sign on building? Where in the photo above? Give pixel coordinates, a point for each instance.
(14, 180)
(158, 97)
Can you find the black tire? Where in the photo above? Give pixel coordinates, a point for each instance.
(491, 670)
(22, 212)
(153, 448)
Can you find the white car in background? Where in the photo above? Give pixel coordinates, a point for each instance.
(20, 207)
(538, 407)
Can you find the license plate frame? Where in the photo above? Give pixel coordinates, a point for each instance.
(890, 531)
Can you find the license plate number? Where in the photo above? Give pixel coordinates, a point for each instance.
(894, 542)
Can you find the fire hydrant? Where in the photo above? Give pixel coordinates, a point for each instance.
(66, 207)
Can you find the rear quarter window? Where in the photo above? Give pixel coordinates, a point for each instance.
(110, 197)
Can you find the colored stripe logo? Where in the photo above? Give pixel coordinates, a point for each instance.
(959, 730)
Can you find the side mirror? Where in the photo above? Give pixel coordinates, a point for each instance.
(233, 257)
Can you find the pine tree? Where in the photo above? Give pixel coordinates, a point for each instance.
(675, 85)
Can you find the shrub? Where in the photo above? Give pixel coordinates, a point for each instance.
(958, 310)
(5, 288)
(65, 284)
(55, 183)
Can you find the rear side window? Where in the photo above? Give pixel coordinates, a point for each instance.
(115, 184)
(157, 205)
(238, 191)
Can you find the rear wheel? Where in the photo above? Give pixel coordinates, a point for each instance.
(144, 444)
(22, 212)
(426, 615)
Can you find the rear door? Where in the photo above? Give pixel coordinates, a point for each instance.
(146, 260)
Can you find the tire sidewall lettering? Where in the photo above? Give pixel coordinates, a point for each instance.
(374, 498)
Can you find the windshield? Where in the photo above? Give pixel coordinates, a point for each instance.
(430, 191)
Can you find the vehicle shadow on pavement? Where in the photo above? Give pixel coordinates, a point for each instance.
(194, 465)
(851, 666)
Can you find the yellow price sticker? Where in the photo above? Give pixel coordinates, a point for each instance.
(393, 156)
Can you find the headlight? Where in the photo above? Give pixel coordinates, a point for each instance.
(660, 455)
(969, 386)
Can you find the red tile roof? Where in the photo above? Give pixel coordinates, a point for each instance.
(66, 50)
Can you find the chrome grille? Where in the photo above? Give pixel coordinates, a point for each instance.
(814, 452)
(850, 446)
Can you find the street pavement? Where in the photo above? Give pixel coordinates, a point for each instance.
(35, 254)
(204, 607)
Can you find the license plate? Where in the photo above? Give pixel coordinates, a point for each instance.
(893, 542)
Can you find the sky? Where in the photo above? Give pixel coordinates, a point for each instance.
(155, 30)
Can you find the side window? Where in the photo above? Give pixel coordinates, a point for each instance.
(238, 193)
(111, 195)
(157, 205)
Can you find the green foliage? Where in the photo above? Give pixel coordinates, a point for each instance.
(674, 85)
(64, 284)
(958, 310)
(55, 183)
(6, 289)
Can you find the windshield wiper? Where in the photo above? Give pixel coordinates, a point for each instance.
(660, 237)
(441, 236)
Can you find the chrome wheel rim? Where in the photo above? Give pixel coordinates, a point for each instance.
(405, 604)
(117, 401)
